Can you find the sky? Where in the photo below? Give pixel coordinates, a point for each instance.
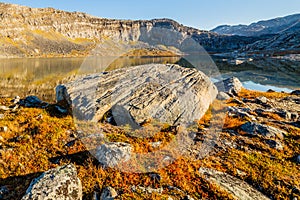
(201, 14)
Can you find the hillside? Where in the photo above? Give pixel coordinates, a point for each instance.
(34, 32)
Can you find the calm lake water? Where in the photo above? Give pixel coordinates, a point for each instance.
(39, 76)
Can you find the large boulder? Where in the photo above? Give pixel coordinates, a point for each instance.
(59, 183)
(167, 93)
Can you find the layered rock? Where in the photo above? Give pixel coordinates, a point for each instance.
(236, 187)
(167, 93)
(36, 32)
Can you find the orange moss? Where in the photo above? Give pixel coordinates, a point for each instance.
(252, 94)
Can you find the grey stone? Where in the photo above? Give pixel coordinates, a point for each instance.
(4, 191)
(238, 188)
(108, 193)
(275, 144)
(16, 100)
(295, 92)
(264, 130)
(155, 144)
(60, 93)
(167, 93)
(114, 153)
(261, 100)
(240, 112)
(1, 116)
(148, 189)
(58, 183)
(270, 90)
(33, 102)
(156, 177)
(284, 114)
(223, 96)
(188, 197)
(231, 86)
(4, 108)
(3, 129)
(296, 159)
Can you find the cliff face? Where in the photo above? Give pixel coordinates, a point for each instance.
(29, 32)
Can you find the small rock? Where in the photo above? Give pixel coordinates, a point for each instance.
(155, 144)
(108, 193)
(15, 100)
(156, 177)
(3, 192)
(264, 130)
(240, 112)
(33, 102)
(296, 159)
(111, 154)
(261, 100)
(3, 129)
(275, 144)
(241, 173)
(60, 93)
(4, 108)
(295, 92)
(58, 183)
(270, 90)
(148, 190)
(284, 114)
(231, 86)
(223, 96)
(188, 197)
(1, 116)
(96, 196)
(294, 116)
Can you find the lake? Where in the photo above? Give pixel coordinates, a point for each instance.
(39, 76)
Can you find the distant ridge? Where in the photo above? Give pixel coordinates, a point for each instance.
(265, 27)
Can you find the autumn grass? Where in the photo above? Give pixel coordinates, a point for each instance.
(36, 141)
(34, 138)
(252, 94)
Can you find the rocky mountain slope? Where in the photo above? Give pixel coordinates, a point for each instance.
(47, 32)
(272, 26)
(31, 32)
(286, 41)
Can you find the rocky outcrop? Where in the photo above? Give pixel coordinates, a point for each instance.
(238, 188)
(264, 130)
(29, 32)
(58, 183)
(167, 93)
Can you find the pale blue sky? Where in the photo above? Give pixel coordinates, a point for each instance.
(202, 14)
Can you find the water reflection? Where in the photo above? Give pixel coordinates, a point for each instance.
(39, 76)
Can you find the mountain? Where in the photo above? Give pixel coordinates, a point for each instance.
(38, 32)
(272, 26)
(48, 32)
(286, 42)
